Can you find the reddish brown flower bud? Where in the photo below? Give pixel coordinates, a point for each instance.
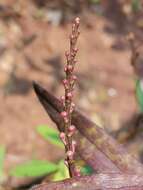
(65, 82)
(65, 69)
(62, 135)
(74, 77)
(73, 105)
(77, 20)
(63, 138)
(71, 110)
(66, 53)
(74, 62)
(73, 54)
(70, 154)
(64, 114)
(69, 95)
(67, 87)
(72, 37)
(62, 98)
(75, 50)
(70, 68)
(73, 27)
(66, 120)
(73, 146)
(71, 130)
(77, 172)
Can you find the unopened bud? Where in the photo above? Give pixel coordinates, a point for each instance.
(77, 172)
(69, 95)
(74, 77)
(72, 37)
(74, 62)
(73, 146)
(73, 54)
(66, 53)
(130, 36)
(70, 68)
(71, 109)
(65, 69)
(65, 82)
(75, 49)
(64, 114)
(73, 27)
(70, 154)
(66, 120)
(62, 98)
(71, 130)
(63, 137)
(77, 20)
(73, 105)
(66, 87)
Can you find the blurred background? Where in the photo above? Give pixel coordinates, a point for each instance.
(34, 35)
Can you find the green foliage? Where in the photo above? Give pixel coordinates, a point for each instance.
(34, 168)
(2, 156)
(37, 168)
(50, 134)
(139, 94)
(62, 172)
(86, 170)
(95, 1)
(136, 5)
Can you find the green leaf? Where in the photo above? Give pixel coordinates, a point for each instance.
(50, 134)
(2, 156)
(95, 1)
(136, 5)
(62, 172)
(34, 168)
(86, 170)
(139, 93)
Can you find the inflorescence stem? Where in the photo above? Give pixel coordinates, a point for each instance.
(67, 101)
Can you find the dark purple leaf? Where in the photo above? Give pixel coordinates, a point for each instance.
(105, 144)
(96, 182)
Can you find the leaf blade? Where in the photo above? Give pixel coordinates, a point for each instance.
(33, 168)
(2, 156)
(139, 94)
(50, 134)
(62, 172)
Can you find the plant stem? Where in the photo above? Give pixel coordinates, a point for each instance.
(67, 100)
